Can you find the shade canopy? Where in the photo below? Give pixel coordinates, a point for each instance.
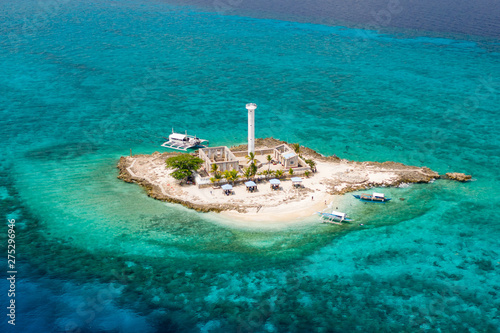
(227, 187)
(250, 184)
(342, 215)
(296, 179)
(378, 195)
(177, 136)
(275, 181)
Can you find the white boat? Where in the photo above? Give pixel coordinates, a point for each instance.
(184, 142)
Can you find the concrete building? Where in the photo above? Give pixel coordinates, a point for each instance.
(220, 156)
(286, 156)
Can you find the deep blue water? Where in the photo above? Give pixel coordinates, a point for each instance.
(84, 82)
(479, 17)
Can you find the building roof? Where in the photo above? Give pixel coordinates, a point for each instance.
(289, 155)
(177, 136)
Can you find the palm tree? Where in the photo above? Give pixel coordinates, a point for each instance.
(251, 157)
(307, 173)
(279, 173)
(296, 147)
(227, 175)
(216, 178)
(247, 173)
(267, 173)
(290, 172)
(311, 163)
(214, 168)
(233, 175)
(269, 159)
(253, 166)
(253, 169)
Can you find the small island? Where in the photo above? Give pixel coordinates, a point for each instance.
(266, 180)
(321, 178)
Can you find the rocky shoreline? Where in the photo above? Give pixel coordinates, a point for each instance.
(347, 176)
(155, 192)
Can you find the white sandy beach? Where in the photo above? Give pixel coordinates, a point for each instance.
(265, 207)
(269, 208)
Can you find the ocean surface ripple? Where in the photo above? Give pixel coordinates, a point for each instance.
(82, 83)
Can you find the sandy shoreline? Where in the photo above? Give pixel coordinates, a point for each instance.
(334, 177)
(285, 212)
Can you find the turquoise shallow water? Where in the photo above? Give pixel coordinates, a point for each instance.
(85, 83)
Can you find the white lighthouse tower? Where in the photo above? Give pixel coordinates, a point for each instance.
(251, 127)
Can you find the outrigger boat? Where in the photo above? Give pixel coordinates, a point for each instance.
(375, 197)
(335, 217)
(184, 142)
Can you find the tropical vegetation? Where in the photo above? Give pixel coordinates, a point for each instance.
(253, 166)
(184, 165)
(251, 158)
(267, 173)
(214, 169)
(311, 163)
(216, 178)
(247, 173)
(231, 176)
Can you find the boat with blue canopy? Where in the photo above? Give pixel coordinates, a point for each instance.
(375, 197)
